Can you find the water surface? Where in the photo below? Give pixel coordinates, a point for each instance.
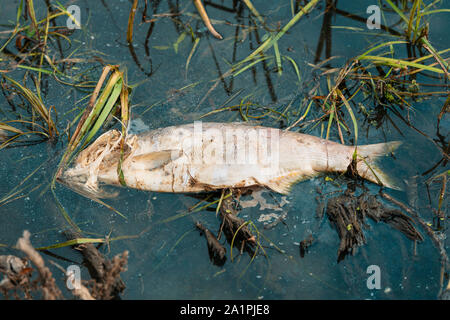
(170, 260)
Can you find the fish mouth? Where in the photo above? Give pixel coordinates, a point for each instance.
(74, 175)
(78, 183)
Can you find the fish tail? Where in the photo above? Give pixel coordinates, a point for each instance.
(367, 168)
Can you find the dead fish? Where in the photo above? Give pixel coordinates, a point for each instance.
(200, 157)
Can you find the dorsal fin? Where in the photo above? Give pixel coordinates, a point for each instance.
(153, 160)
(283, 183)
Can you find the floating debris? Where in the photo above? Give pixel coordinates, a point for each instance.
(347, 213)
(279, 218)
(105, 283)
(235, 229)
(16, 273)
(257, 198)
(217, 252)
(305, 244)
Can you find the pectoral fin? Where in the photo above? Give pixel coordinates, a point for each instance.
(153, 160)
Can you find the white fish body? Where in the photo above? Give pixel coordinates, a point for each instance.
(208, 156)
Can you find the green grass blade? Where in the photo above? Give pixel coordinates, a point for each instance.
(400, 63)
(294, 64)
(106, 111)
(277, 57)
(398, 11)
(98, 107)
(72, 242)
(352, 115)
(385, 44)
(271, 40)
(251, 65)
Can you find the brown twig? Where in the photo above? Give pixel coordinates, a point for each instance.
(217, 252)
(235, 228)
(205, 18)
(16, 274)
(48, 287)
(79, 290)
(131, 22)
(101, 270)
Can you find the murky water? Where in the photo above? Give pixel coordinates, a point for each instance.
(170, 260)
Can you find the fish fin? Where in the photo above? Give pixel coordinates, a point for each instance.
(367, 168)
(153, 160)
(283, 183)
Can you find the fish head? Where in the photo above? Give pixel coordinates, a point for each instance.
(98, 158)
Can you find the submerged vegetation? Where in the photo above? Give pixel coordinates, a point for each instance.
(346, 99)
